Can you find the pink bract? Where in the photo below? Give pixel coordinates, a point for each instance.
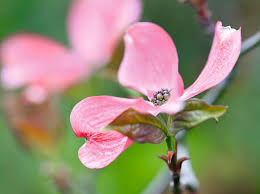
(94, 29)
(95, 26)
(150, 63)
(34, 60)
(90, 116)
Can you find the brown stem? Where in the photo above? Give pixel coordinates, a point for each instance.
(176, 184)
(203, 14)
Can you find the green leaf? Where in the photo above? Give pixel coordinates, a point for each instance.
(140, 127)
(195, 112)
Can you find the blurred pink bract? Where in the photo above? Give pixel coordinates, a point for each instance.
(43, 65)
(150, 63)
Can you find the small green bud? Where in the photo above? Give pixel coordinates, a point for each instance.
(160, 97)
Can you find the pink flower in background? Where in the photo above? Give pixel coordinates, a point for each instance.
(150, 66)
(43, 65)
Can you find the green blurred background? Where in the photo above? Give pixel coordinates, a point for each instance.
(225, 156)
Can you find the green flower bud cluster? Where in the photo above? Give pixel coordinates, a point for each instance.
(161, 97)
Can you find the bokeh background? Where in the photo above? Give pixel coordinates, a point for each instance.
(225, 156)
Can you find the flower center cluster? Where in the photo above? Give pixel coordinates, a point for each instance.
(161, 97)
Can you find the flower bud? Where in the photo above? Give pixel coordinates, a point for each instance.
(160, 97)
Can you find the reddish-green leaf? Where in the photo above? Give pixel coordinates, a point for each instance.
(140, 127)
(195, 112)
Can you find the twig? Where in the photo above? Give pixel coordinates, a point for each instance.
(213, 94)
(250, 43)
(188, 178)
(159, 183)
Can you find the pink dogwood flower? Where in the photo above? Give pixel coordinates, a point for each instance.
(43, 65)
(150, 66)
